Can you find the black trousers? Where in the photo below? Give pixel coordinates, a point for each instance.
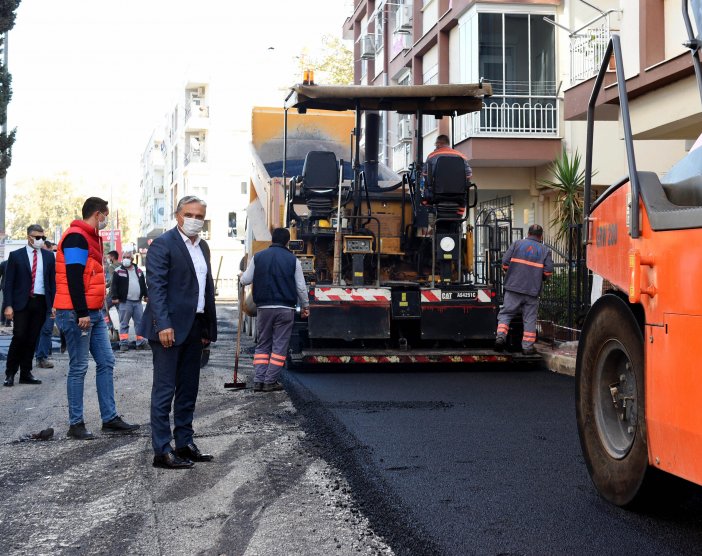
(26, 327)
(176, 382)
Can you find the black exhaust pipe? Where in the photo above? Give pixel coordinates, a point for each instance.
(372, 145)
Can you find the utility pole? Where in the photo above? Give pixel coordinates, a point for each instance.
(3, 185)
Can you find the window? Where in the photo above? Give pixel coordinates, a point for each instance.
(205, 234)
(232, 225)
(244, 187)
(516, 54)
(429, 123)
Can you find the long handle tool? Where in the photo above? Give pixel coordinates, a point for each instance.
(235, 384)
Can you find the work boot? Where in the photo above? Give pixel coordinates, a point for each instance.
(273, 387)
(124, 348)
(79, 432)
(44, 364)
(500, 343)
(258, 386)
(529, 350)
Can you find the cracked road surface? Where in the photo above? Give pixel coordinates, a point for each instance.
(267, 492)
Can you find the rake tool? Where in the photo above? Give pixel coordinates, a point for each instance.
(235, 384)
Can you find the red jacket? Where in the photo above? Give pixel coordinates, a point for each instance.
(93, 275)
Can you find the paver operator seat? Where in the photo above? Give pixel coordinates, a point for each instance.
(320, 183)
(447, 185)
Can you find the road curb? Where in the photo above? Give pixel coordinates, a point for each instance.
(556, 360)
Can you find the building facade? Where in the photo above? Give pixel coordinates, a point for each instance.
(535, 54)
(200, 151)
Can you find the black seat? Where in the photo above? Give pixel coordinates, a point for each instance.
(663, 214)
(320, 183)
(448, 183)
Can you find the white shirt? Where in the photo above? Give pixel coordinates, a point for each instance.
(39, 278)
(200, 265)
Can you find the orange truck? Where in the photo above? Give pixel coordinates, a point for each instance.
(638, 384)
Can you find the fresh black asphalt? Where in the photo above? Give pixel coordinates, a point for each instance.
(477, 461)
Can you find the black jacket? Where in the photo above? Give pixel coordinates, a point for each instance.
(18, 279)
(120, 284)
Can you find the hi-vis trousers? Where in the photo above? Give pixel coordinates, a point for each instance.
(515, 303)
(274, 327)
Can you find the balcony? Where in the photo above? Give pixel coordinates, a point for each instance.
(401, 156)
(587, 50)
(511, 117)
(197, 116)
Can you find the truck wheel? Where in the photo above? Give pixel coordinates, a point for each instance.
(610, 402)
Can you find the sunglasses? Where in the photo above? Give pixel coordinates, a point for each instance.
(43, 238)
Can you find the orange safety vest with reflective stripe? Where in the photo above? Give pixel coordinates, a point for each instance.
(93, 275)
(527, 262)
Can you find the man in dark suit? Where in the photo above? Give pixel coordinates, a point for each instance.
(30, 286)
(179, 320)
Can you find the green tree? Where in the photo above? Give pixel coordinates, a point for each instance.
(333, 65)
(567, 181)
(7, 22)
(52, 202)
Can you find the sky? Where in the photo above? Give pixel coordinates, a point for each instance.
(93, 78)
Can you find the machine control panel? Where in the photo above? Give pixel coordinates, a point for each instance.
(296, 245)
(307, 264)
(358, 244)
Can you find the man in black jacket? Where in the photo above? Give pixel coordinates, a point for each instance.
(127, 291)
(279, 284)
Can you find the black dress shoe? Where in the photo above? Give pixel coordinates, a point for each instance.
(119, 425)
(171, 461)
(193, 453)
(9, 380)
(28, 378)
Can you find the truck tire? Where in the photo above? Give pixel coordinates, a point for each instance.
(610, 402)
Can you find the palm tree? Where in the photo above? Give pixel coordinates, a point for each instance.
(567, 182)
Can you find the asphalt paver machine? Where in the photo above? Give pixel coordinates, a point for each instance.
(388, 257)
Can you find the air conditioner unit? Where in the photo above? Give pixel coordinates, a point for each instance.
(367, 47)
(403, 19)
(405, 131)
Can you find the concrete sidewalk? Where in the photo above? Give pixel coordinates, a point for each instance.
(559, 358)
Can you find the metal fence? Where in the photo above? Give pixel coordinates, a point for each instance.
(565, 297)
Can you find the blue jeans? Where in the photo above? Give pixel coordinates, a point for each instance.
(79, 342)
(44, 343)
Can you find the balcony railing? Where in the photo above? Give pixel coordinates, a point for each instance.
(586, 53)
(195, 156)
(196, 110)
(512, 116)
(401, 156)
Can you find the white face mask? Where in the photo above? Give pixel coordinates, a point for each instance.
(192, 226)
(102, 224)
(127, 262)
(38, 243)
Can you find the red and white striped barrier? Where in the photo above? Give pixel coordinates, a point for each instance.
(368, 295)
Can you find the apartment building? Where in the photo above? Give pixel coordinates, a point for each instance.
(200, 150)
(664, 98)
(533, 52)
(152, 202)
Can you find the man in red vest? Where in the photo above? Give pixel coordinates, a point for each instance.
(79, 302)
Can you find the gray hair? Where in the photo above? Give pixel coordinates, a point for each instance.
(34, 228)
(188, 199)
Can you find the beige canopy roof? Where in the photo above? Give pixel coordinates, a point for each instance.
(437, 100)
